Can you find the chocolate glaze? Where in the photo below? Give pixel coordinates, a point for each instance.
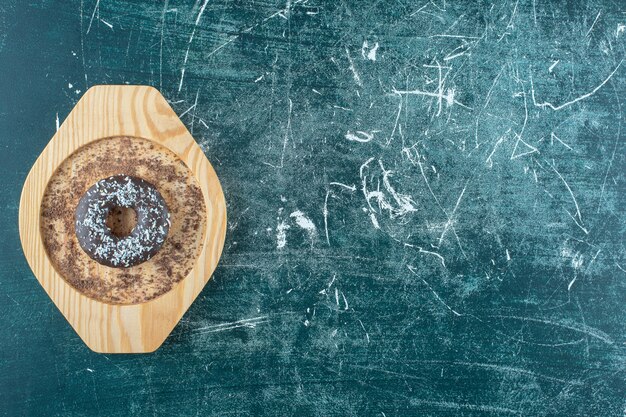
(145, 240)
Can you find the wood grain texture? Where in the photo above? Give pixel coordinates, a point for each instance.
(108, 111)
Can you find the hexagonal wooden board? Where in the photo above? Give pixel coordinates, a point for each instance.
(104, 112)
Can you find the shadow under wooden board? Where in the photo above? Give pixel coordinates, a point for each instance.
(138, 112)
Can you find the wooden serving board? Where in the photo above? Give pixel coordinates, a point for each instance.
(109, 111)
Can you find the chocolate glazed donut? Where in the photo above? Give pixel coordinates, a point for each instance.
(143, 242)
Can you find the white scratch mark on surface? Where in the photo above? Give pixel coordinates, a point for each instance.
(454, 36)
(553, 65)
(367, 336)
(593, 259)
(429, 252)
(161, 44)
(345, 301)
(193, 106)
(359, 136)
(412, 269)
(331, 282)
(457, 406)
(451, 57)
(594, 23)
(553, 136)
(451, 217)
(493, 85)
(93, 14)
(13, 299)
(569, 286)
(304, 223)
(577, 99)
(193, 33)
(57, 121)
(349, 187)
(489, 161)
(369, 53)
(374, 220)
(510, 25)
(107, 24)
(355, 74)
(325, 213)
(82, 45)
(249, 323)
(285, 139)
(395, 125)
(404, 202)
(287, 133)
(416, 12)
(571, 193)
(463, 49)
(281, 234)
(530, 149)
(220, 47)
(439, 95)
(580, 328)
(617, 140)
(578, 223)
(417, 161)
(507, 369)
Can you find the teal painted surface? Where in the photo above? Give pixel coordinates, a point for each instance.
(426, 202)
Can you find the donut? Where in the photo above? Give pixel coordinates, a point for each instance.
(121, 191)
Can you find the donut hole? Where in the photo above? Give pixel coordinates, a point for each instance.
(121, 221)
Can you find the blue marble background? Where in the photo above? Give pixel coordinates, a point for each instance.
(426, 205)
